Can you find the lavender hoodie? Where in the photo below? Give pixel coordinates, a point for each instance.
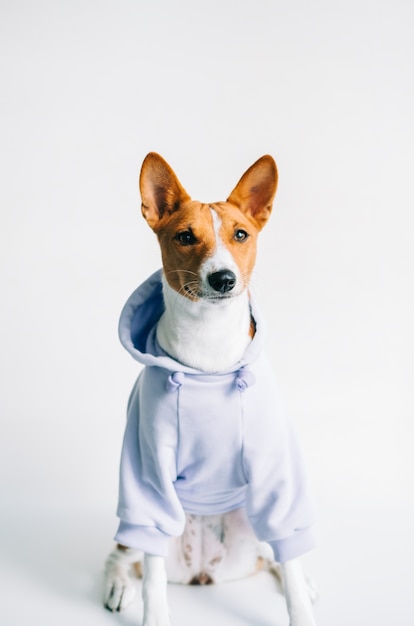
(205, 444)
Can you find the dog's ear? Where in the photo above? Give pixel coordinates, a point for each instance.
(161, 191)
(256, 189)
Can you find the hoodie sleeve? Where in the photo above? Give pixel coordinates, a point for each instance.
(148, 507)
(277, 500)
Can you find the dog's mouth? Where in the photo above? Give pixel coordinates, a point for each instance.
(195, 292)
(216, 286)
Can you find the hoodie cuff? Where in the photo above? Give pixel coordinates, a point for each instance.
(146, 538)
(294, 546)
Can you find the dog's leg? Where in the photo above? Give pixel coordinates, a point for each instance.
(297, 594)
(275, 568)
(154, 592)
(119, 587)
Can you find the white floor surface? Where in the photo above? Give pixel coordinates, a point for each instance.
(51, 572)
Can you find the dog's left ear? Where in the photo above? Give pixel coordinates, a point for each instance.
(255, 191)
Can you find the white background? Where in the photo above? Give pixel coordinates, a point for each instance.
(87, 89)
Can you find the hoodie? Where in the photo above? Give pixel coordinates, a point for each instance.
(206, 443)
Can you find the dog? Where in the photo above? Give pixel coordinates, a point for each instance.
(212, 486)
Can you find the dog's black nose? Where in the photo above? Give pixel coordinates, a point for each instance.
(222, 281)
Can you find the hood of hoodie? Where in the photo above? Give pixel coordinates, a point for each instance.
(138, 322)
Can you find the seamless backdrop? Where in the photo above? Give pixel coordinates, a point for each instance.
(86, 90)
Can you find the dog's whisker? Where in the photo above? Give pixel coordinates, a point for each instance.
(181, 270)
(188, 289)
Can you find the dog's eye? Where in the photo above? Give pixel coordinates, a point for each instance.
(185, 238)
(240, 235)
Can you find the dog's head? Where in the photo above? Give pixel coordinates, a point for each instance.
(208, 250)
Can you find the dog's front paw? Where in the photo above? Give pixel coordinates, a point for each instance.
(303, 620)
(302, 616)
(156, 610)
(119, 589)
(157, 616)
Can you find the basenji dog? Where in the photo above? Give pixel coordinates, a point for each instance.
(206, 325)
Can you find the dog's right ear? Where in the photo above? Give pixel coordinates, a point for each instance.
(161, 191)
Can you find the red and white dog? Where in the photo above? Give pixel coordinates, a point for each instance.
(208, 255)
